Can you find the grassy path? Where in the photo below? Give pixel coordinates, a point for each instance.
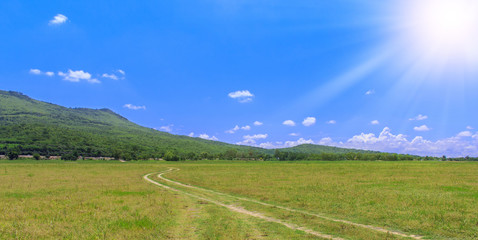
(238, 209)
(270, 219)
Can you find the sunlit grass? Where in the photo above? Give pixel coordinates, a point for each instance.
(97, 200)
(100, 200)
(434, 199)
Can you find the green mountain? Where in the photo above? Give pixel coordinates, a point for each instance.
(32, 126)
(51, 129)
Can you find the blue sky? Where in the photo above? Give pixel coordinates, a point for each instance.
(391, 76)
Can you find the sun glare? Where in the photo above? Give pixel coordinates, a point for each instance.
(446, 22)
(444, 28)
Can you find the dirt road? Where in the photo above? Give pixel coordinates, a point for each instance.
(269, 219)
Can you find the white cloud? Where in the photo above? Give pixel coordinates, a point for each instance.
(236, 128)
(205, 136)
(249, 142)
(386, 141)
(331, 122)
(243, 96)
(289, 123)
(73, 76)
(298, 142)
(309, 121)
(110, 76)
(191, 134)
(459, 145)
(370, 92)
(363, 138)
(240, 94)
(93, 80)
(294, 134)
(115, 76)
(246, 128)
(251, 139)
(257, 123)
(283, 144)
(267, 145)
(465, 134)
(168, 128)
(375, 122)
(77, 76)
(133, 107)
(422, 128)
(463, 144)
(469, 127)
(35, 71)
(256, 136)
(39, 72)
(418, 118)
(325, 141)
(233, 130)
(58, 19)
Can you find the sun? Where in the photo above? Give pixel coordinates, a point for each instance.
(448, 23)
(443, 28)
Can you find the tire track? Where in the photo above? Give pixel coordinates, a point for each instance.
(239, 209)
(370, 227)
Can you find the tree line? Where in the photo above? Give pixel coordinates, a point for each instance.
(13, 151)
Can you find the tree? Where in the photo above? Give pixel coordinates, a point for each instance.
(144, 156)
(12, 155)
(169, 156)
(13, 152)
(70, 156)
(251, 154)
(191, 156)
(230, 154)
(36, 156)
(116, 154)
(204, 156)
(277, 154)
(128, 156)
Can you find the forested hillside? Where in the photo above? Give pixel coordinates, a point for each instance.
(33, 126)
(28, 126)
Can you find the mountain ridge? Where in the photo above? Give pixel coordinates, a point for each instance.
(51, 129)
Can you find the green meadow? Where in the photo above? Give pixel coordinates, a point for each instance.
(111, 200)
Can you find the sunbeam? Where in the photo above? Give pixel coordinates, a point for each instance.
(324, 93)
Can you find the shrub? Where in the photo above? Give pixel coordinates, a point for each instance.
(13, 152)
(70, 156)
(12, 155)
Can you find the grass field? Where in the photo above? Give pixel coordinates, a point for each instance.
(111, 200)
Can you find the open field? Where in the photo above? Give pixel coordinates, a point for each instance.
(111, 200)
